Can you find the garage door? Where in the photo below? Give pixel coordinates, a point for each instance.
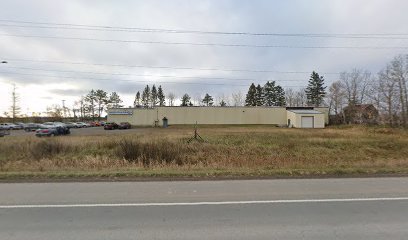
(307, 122)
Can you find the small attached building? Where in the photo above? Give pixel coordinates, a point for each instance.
(305, 118)
(302, 117)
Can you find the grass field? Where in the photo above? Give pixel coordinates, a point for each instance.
(229, 151)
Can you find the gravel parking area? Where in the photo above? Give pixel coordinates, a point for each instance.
(92, 131)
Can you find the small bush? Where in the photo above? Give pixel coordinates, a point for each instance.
(159, 152)
(47, 148)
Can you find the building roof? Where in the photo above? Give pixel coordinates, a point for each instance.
(305, 111)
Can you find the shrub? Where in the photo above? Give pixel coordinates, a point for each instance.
(159, 152)
(47, 148)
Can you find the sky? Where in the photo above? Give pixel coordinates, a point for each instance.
(60, 50)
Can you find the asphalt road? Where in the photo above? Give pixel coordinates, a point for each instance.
(368, 208)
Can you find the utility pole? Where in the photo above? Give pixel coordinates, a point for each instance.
(15, 109)
(63, 109)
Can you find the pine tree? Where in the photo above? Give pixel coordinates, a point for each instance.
(280, 96)
(161, 97)
(315, 90)
(208, 100)
(153, 96)
(251, 96)
(223, 103)
(90, 99)
(114, 100)
(136, 103)
(270, 94)
(259, 96)
(185, 100)
(146, 96)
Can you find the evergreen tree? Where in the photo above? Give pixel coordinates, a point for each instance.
(315, 90)
(136, 103)
(153, 96)
(101, 99)
(114, 100)
(223, 103)
(259, 96)
(280, 96)
(208, 100)
(90, 99)
(185, 100)
(146, 96)
(161, 97)
(251, 96)
(270, 94)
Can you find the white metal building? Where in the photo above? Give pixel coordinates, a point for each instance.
(308, 117)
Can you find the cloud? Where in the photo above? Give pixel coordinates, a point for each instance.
(295, 16)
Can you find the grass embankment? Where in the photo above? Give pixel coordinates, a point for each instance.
(229, 152)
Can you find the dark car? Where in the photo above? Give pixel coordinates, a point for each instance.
(124, 125)
(29, 127)
(110, 126)
(46, 131)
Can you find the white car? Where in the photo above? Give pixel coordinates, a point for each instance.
(82, 125)
(9, 126)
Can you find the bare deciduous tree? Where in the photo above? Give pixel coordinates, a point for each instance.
(336, 97)
(290, 96)
(238, 99)
(355, 84)
(399, 71)
(171, 97)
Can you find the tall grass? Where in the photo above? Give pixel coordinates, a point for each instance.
(226, 148)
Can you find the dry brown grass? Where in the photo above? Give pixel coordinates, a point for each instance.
(228, 149)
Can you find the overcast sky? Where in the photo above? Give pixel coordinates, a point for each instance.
(41, 55)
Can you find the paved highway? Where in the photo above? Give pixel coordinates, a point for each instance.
(367, 208)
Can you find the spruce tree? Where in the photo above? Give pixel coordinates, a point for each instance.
(251, 96)
(136, 103)
(280, 96)
(259, 96)
(185, 100)
(315, 90)
(146, 96)
(208, 100)
(153, 96)
(160, 96)
(270, 94)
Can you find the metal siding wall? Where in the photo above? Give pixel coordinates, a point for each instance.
(214, 115)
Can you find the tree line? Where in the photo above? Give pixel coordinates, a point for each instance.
(355, 97)
(385, 92)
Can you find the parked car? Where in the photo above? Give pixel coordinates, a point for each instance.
(20, 124)
(102, 123)
(71, 125)
(124, 125)
(5, 126)
(110, 126)
(10, 126)
(47, 131)
(29, 127)
(4, 132)
(82, 124)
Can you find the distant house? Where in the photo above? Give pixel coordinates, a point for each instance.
(361, 114)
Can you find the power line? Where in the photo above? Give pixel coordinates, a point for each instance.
(148, 75)
(167, 30)
(207, 44)
(167, 67)
(128, 80)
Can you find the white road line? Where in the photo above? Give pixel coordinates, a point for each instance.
(202, 203)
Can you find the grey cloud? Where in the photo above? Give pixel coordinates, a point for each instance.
(297, 16)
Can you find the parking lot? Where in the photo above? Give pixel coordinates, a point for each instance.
(91, 131)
